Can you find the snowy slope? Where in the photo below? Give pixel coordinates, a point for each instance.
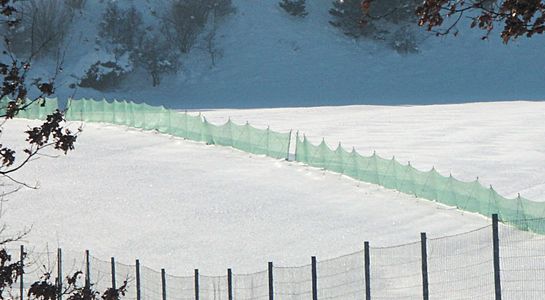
(271, 59)
(501, 143)
(182, 205)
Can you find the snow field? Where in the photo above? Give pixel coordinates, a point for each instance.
(185, 205)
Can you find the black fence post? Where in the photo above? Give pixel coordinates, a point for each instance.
(314, 279)
(425, 285)
(271, 281)
(367, 262)
(496, 246)
(196, 284)
(59, 274)
(114, 286)
(138, 293)
(230, 284)
(87, 271)
(164, 283)
(21, 261)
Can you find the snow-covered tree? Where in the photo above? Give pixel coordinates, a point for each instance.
(294, 7)
(389, 21)
(156, 56)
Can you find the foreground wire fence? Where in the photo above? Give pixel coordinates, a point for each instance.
(492, 262)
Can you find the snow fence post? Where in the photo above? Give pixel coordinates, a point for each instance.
(296, 142)
(496, 252)
(164, 283)
(138, 294)
(229, 284)
(21, 261)
(289, 145)
(59, 274)
(367, 267)
(113, 273)
(271, 283)
(196, 284)
(423, 244)
(314, 279)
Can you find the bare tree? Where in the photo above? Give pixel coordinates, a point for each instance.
(156, 56)
(43, 27)
(183, 21)
(519, 17)
(52, 133)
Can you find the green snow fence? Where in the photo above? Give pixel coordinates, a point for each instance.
(389, 173)
(248, 138)
(36, 111)
(136, 115)
(196, 128)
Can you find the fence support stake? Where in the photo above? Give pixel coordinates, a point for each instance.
(271, 282)
(114, 286)
(59, 274)
(87, 271)
(230, 284)
(296, 142)
(496, 246)
(21, 261)
(138, 294)
(289, 145)
(423, 243)
(196, 284)
(164, 283)
(367, 260)
(314, 279)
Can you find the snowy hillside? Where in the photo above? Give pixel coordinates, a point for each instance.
(271, 59)
(185, 205)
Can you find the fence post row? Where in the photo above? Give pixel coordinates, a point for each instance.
(271, 287)
(138, 295)
(423, 243)
(21, 261)
(314, 278)
(367, 266)
(114, 286)
(229, 284)
(59, 274)
(496, 252)
(164, 284)
(196, 284)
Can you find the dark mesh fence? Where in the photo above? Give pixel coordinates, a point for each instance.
(212, 287)
(342, 277)
(180, 287)
(457, 267)
(461, 266)
(293, 283)
(251, 286)
(522, 257)
(396, 272)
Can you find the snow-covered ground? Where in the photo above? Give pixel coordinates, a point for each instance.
(502, 143)
(185, 205)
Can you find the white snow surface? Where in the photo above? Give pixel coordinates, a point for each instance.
(183, 205)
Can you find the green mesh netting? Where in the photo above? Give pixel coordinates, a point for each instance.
(36, 111)
(196, 128)
(389, 173)
(248, 138)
